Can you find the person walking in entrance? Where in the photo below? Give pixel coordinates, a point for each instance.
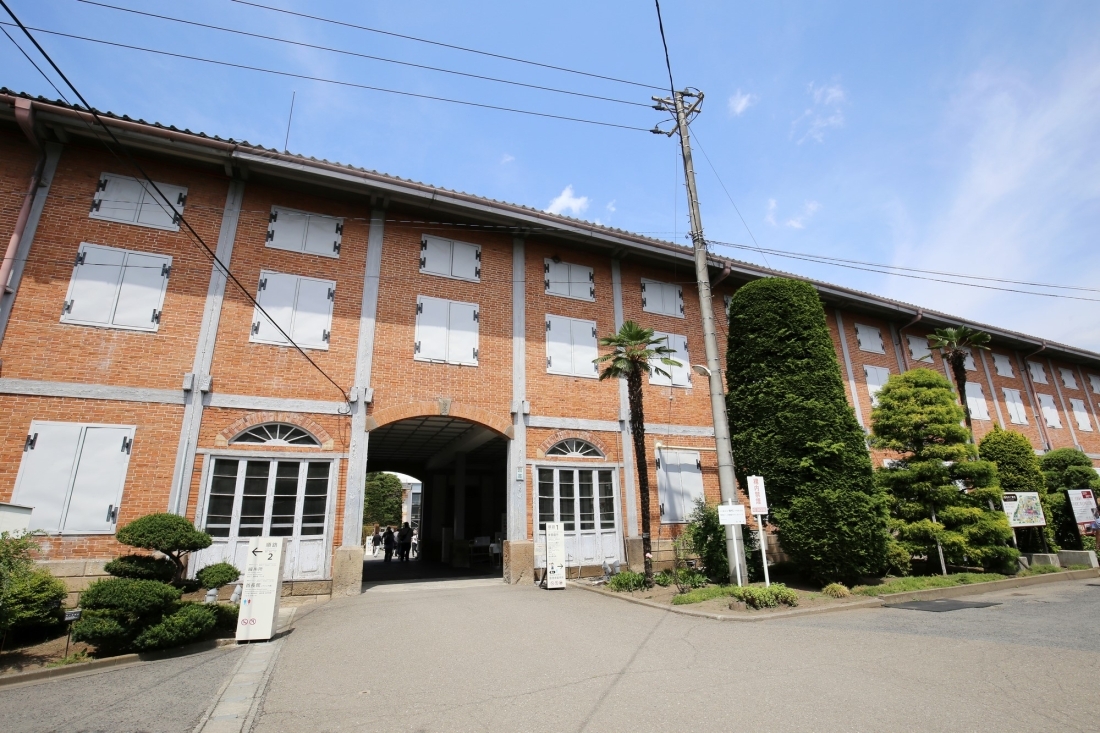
(376, 542)
(387, 544)
(415, 548)
(404, 542)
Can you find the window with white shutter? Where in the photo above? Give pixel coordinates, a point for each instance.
(301, 231)
(1017, 414)
(1003, 365)
(300, 306)
(1050, 412)
(446, 331)
(1038, 374)
(1094, 380)
(968, 362)
(870, 339)
(918, 348)
(116, 288)
(664, 298)
(447, 258)
(975, 400)
(569, 280)
(876, 380)
(679, 484)
(571, 346)
(72, 476)
(679, 373)
(132, 201)
(1069, 381)
(1081, 415)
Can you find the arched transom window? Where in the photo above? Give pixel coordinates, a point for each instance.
(276, 434)
(574, 448)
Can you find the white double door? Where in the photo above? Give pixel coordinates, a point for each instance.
(584, 501)
(249, 497)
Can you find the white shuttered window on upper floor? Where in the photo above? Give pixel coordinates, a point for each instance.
(1049, 410)
(448, 258)
(1081, 415)
(664, 298)
(132, 201)
(571, 346)
(569, 280)
(870, 339)
(116, 288)
(876, 380)
(679, 373)
(301, 231)
(968, 362)
(1003, 365)
(918, 348)
(1038, 374)
(1069, 380)
(975, 400)
(72, 475)
(1017, 414)
(446, 331)
(1095, 382)
(301, 306)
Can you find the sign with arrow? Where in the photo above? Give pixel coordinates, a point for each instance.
(555, 555)
(262, 586)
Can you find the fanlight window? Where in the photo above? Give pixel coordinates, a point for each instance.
(276, 434)
(575, 448)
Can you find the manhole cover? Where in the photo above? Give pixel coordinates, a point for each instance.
(945, 604)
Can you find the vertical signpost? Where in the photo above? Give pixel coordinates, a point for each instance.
(758, 503)
(555, 555)
(263, 585)
(730, 515)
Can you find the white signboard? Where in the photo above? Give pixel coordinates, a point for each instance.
(1084, 505)
(731, 514)
(758, 500)
(1024, 509)
(555, 555)
(262, 586)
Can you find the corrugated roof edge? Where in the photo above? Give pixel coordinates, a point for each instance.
(744, 269)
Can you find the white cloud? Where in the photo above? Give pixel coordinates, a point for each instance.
(740, 102)
(770, 216)
(799, 222)
(824, 114)
(610, 206)
(567, 201)
(507, 159)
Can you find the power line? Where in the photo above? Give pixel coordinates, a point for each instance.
(363, 55)
(210, 253)
(337, 82)
(445, 45)
(668, 62)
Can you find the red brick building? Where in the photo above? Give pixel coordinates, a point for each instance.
(457, 333)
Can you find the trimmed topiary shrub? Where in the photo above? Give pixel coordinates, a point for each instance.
(1065, 469)
(791, 423)
(217, 575)
(1018, 470)
(118, 610)
(33, 600)
(169, 534)
(189, 623)
(142, 567)
(227, 614)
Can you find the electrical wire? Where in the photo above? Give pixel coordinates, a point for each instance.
(363, 55)
(337, 82)
(444, 45)
(668, 62)
(195, 235)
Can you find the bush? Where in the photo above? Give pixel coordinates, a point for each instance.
(33, 600)
(1067, 469)
(663, 578)
(142, 567)
(1018, 470)
(169, 534)
(836, 590)
(189, 623)
(104, 630)
(708, 539)
(133, 598)
(626, 581)
(756, 597)
(898, 559)
(227, 614)
(688, 578)
(217, 575)
(791, 423)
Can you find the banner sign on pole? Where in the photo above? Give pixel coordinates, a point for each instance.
(555, 555)
(1023, 509)
(1084, 505)
(758, 500)
(263, 586)
(731, 514)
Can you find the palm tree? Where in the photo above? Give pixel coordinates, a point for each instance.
(635, 352)
(956, 344)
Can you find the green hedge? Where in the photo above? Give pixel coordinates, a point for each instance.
(1018, 470)
(791, 423)
(217, 575)
(142, 567)
(187, 624)
(1067, 469)
(32, 600)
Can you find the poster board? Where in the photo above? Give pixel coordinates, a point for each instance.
(1083, 502)
(555, 555)
(758, 499)
(262, 586)
(1024, 509)
(729, 514)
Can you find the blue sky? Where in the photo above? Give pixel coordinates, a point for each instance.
(953, 136)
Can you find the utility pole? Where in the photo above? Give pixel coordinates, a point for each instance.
(727, 482)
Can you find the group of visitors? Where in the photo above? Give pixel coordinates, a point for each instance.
(404, 540)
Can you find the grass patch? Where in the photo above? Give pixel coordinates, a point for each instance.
(1039, 570)
(753, 595)
(75, 658)
(904, 585)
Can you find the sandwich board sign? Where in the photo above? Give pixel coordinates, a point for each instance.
(1084, 505)
(758, 500)
(1023, 509)
(262, 586)
(731, 514)
(555, 555)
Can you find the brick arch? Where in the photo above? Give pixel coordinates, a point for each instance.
(259, 418)
(446, 408)
(561, 435)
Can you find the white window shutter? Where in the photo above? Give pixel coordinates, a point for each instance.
(556, 277)
(313, 313)
(1095, 382)
(691, 483)
(100, 475)
(45, 472)
(1069, 381)
(975, 400)
(679, 308)
(435, 256)
(580, 282)
(466, 261)
(1081, 415)
(876, 380)
(681, 373)
(94, 287)
(559, 345)
(1016, 412)
(1038, 374)
(968, 362)
(117, 198)
(431, 329)
(669, 486)
(1050, 412)
(324, 234)
(918, 348)
(462, 334)
(162, 212)
(276, 295)
(286, 229)
(1003, 366)
(870, 339)
(584, 347)
(141, 294)
(660, 379)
